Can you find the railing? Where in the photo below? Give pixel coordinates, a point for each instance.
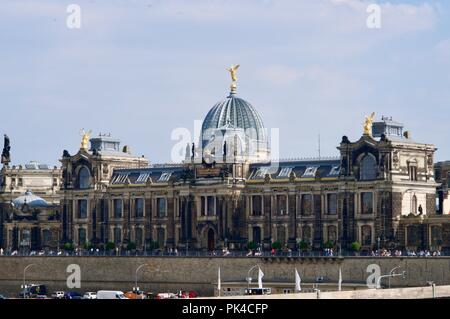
(212, 254)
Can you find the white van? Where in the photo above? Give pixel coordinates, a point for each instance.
(110, 294)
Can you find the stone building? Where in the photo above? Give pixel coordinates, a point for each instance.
(380, 191)
(443, 178)
(29, 206)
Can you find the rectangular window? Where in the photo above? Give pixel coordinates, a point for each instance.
(332, 204)
(139, 207)
(20, 182)
(161, 207)
(281, 205)
(211, 206)
(81, 236)
(306, 205)
(256, 205)
(366, 203)
(118, 208)
(138, 237)
(117, 235)
(82, 208)
(413, 173)
(202, 206)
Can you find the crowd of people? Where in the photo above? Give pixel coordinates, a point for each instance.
(409, 253)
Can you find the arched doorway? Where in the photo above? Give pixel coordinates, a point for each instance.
(211, 239)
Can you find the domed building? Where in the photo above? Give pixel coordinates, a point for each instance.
(30, 200)
(234, 128)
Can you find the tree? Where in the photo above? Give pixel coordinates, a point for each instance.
(276, 245)
(252, 245)
(69, 246)
(110, 245)
(355, 246)
(303, 245)
(131, 246)
(329, 244)
(87, 245)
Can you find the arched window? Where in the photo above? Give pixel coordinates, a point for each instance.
(368, 168)
(83, 178)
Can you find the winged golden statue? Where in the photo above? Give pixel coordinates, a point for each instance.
(232, 69)
(368, 122)
(85, 138)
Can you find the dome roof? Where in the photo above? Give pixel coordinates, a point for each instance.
(30, 199)
(234, 113)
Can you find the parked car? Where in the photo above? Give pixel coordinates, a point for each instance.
(2, 297)
(72, 295)
(133, 295)
(110, 294)
(90, 295)
(166, 295)
(187, 294)
(58, 295)
(33, 290)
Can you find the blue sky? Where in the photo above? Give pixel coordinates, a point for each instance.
(139, 69)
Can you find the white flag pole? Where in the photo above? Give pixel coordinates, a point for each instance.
(340, 279)
(219, 284)
(298, 281)
(260, 277)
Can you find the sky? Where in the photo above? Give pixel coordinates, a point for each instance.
(140, 69)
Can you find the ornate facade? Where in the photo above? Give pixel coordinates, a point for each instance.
(379, 191)
(29, 207)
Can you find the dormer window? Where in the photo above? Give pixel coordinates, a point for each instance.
(143, 177)
(261, 172)
(165, 177)
(335, 170)
(120, 178)
(310, 171)
(285, 172)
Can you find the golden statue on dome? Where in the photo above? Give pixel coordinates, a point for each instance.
(368, 122)
(85, 138)
(232, 69)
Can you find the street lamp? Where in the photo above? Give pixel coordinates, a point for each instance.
(136, 278)
(248, 278)
(391, 272)
(24, 272)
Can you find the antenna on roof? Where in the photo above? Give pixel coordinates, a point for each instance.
(319, 146)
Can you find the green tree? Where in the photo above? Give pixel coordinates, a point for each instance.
(69, 246)
(110, 245)
(252, 245)
(87, 245)
(131, 246)
(303, 245)
(355, 246)
(329, 244)
(276, 245)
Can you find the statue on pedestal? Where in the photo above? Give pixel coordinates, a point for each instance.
(6, 156)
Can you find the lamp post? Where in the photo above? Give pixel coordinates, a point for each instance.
(136, 278)
(24, 272)
(391, 272)
(249, 279)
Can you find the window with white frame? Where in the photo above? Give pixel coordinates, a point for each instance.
(310, 171)
(285, 172)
